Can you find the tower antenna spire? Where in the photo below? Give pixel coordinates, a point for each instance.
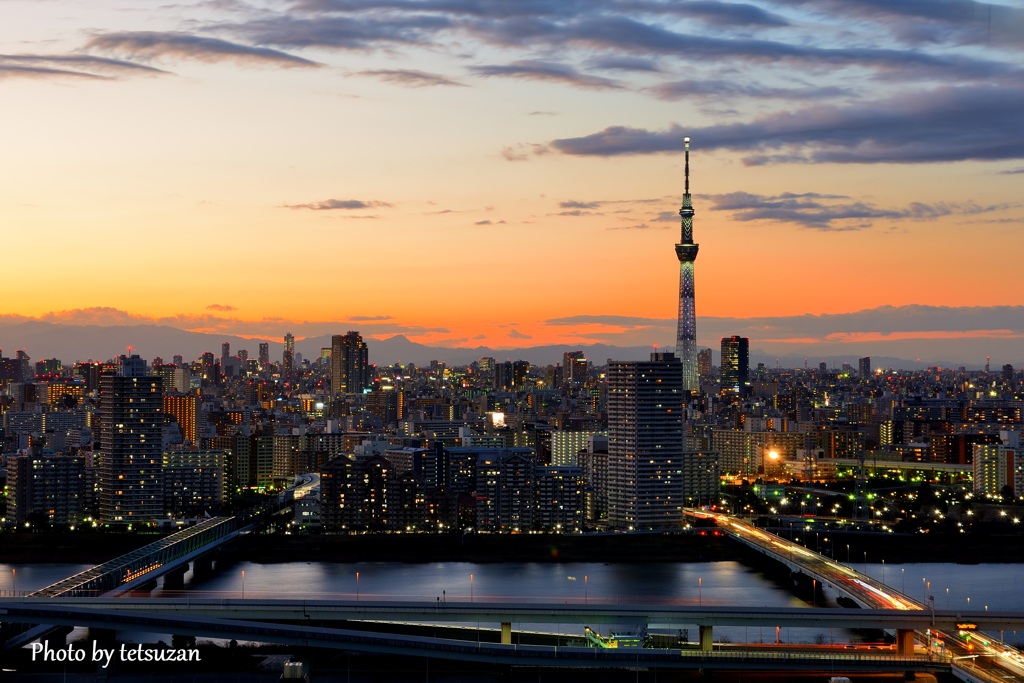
(686, 167)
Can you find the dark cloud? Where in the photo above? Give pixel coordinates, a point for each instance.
(635, 64)
(155, 45)
(545, 71)
(409, 78)
(717, 88)
(944, 124)
(929, 21)
(332, 204)
(221, 307)
(369, 318)
(495, 9)
(341, 32)
(579, 205)
(725, 14)
(516, 334)
(831, 212)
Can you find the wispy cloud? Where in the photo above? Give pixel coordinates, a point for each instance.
(158, 45)
(222, 308)
(410, 78)
(73, 66)
(612, 320)
(545, 71)
(340, 204)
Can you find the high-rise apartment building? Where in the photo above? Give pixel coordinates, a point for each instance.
(735, 372)
(350, 364)
(864, 367)
(645, 443)
(131, 446)
(686, 251)
(185, 410)
(264, 356)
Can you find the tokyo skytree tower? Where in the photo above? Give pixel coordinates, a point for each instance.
(686, 250)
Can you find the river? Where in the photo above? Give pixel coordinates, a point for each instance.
(954, 586)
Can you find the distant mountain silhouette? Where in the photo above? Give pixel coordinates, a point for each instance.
(72, 343)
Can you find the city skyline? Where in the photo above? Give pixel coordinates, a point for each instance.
(441, 153)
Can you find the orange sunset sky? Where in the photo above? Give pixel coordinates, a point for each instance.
(479, 172)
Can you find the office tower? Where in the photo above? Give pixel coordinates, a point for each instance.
(686, 251)
(350, 364)
(207, 367)
(823, 367)
(243, 357)
(574, 369)
(864, 367)
(735, 364)
(48, 367)
(704, 364)
(225, 352)
(178, 360)
(645, 443)
(264, 355)
(131, 448)
(503, 376)
(288, 357)
(89, 371)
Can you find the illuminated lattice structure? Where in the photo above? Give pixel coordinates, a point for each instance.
(686, 250)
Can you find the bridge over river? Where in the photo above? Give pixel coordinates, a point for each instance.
(86, 599)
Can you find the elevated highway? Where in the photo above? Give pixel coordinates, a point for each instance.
(303, 624)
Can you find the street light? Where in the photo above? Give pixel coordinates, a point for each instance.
(357, 586)
(243, 584)
(700, 591)
(585, 577)
(471, 588)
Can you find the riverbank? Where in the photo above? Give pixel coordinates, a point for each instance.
(88, 547)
